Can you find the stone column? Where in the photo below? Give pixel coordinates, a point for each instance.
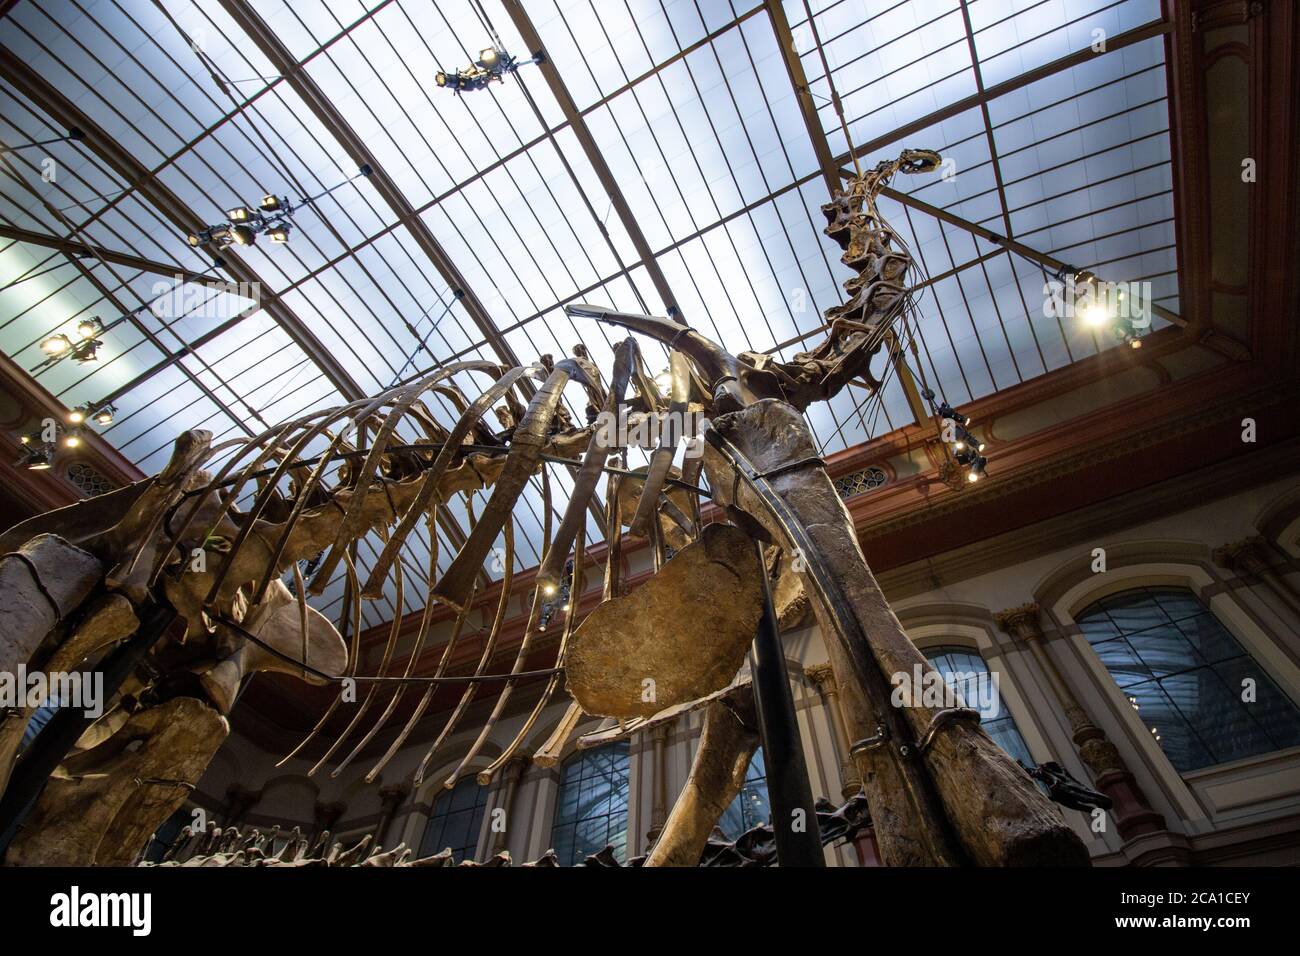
(1132, 811)
(390, 798)
(507, 785)
(823, 679)
(1247, 559)
(659, 771)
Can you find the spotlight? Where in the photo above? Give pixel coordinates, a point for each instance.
(976, 470)
(1096, 314)
(105, 415)
(38, 459)
(72, 440)
(489, 59)
(966, 440)
(946, 411)
(76, 416)
(89, 328)
(243, 235)
(195, 239)
(271, 203)
(1127, 333)
(548, 589)
(239, 214)
(279, 233)
(56, 344)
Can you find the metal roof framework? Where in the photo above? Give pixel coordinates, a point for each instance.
(667, 153)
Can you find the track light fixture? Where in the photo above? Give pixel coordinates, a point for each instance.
(84, 349)
(271, 218)
(38, 458)
(963, 445)
(1127, 332)
(493, 63)
(101, 413)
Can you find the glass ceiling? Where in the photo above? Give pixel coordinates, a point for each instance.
(692, 111)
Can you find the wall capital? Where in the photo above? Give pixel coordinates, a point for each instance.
(1247, 556)
(1024, 622)
(823, 676)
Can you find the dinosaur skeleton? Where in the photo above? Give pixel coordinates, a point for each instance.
(229, 847)
(177, 546)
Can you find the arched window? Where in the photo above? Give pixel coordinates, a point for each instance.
(965, 671)
(592, 809)
(456, 820)
(1186, 676)
(750, 808)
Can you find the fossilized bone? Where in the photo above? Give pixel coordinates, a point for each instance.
(228, 847)
(941, 791)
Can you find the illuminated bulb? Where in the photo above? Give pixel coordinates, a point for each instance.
(959, 445)
(193, 239)
(565, 607)
(489, 58)
(1096, 314)
(26, 439)
(88, 328)
(440, 78)
(279, 233)
(239, 214)
(105, 415)
(270, 203)
(973, 477)
(1135, 344)
(76, 416)
(243, 235)
(72, 441)
(56, 344)
(548, 589)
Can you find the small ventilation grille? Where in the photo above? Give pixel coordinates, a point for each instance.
(860, 481)
(90, 481)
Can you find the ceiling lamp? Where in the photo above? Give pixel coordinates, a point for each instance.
(38, 458)
(243, 235)
(966, 449)
(271, 218)
(105, 415)
(56, 345)
(1095, 314)
(493, 63)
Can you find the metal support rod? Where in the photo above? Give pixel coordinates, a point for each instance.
(65, 728)
(794, 818)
